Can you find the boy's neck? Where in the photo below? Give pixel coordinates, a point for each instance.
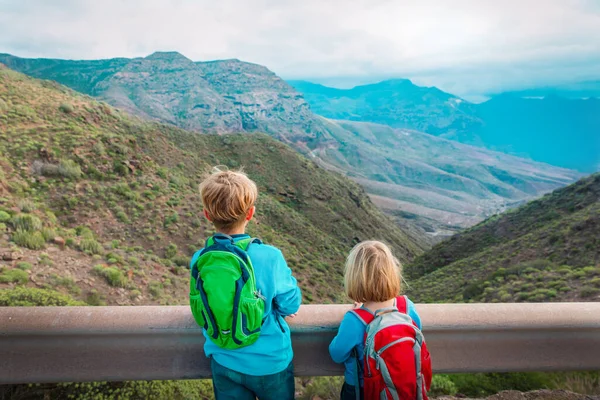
(234, 231)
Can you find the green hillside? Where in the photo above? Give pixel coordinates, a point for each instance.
(546, 250)
(105, 207)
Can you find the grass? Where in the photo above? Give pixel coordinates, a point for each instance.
(26, 222)
(17, 276)
(29, 239)
(91, 246)
(112, 275)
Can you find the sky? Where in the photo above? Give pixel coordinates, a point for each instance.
(471, 48)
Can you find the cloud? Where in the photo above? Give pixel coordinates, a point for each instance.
(468, 46)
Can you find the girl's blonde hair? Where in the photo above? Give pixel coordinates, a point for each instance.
(372, 273)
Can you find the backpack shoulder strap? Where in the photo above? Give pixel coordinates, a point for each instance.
(365, 316)
(402, 304)
(245, 243)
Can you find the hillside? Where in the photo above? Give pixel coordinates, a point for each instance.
(554, 130)
(441, 186)
(104, 207)
(546, 250)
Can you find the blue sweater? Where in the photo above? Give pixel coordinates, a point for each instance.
(272, 352)
(351, 334)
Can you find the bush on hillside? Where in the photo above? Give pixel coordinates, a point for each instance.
(90, 245)
(14, 276)
(26, 222)
(69, 169)
(113, 276)
(31, 240)
(66, 108)
(24, 296)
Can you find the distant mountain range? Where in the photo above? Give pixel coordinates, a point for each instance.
(431, 185)
(551, 129)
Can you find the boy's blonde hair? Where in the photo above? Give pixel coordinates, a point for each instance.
(372, 273)
(227, 197)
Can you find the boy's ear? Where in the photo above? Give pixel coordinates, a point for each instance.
(206, 215)
(250, 213)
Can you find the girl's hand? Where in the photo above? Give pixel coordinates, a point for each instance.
(357, 304)
(292, 315)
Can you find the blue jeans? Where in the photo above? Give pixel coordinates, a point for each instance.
(349, 392)
(232, 385)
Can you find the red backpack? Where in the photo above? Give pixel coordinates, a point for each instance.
(396, 365)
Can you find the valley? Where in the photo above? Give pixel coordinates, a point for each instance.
(430, 186)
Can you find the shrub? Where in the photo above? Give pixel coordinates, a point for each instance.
(588, 291)
(28, 239)
(171, 250)
(89, 245)
(94, 299)
(65, 282)
(155, 289)
(4, 216)
(442, 385)
(26, 222)
(113, 275)
(181, 261)
(24, 296)
(26, 205)
(45, 259)
(24, 265)
(17, 276)
(69, 169)
(171, 219)
(66, 108)
(48, 234)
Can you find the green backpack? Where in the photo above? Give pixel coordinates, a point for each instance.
(223, 294)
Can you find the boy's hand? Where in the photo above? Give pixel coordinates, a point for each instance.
(357, 304)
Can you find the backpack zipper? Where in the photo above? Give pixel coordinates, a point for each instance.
(387, 346)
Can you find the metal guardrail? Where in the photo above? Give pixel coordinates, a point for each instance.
(76, 344)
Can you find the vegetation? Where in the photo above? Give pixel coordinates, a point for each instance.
(547, 250)
(111, 188)
(21, 296)
(113, 276)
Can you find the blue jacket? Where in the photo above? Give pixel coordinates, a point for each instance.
(351, 334)
(272, 352)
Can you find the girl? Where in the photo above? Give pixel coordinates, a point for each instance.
(372, 279)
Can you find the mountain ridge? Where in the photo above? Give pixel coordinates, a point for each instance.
(565, 132)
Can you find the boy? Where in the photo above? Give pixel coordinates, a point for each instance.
(262, 369)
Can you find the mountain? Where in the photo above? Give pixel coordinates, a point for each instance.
(398, 103)
(431, 187)
(546, 250)
(104, 207)
(218, 96)
(438, 185)
(554, 130)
